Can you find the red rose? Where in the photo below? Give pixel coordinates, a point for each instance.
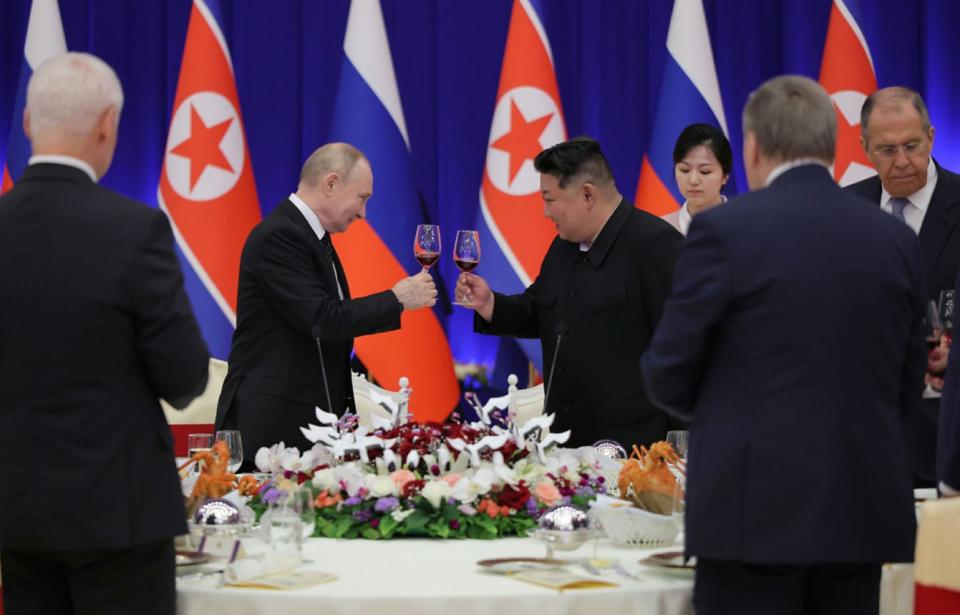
(514, 497)
(412, 488)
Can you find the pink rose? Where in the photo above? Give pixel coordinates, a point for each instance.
(451, 479)
(402, 477)
(546, 493)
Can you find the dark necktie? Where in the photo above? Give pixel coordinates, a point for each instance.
(327, 246)
(897, 205)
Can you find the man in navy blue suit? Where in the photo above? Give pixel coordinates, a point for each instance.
(793, 341)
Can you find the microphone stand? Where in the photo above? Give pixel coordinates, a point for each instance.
(553, 365)
(323, 372)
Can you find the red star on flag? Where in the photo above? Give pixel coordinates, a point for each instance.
(849, 149)
(522, 143)
(202, 147)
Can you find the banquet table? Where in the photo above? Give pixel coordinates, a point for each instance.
(434, 577)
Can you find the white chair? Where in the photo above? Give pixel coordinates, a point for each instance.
(522, 404)
(366, 407)
(526, 403)
(200, 415)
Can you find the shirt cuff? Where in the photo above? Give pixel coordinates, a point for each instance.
(948, 491)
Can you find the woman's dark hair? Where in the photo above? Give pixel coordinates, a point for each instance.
(708, 136)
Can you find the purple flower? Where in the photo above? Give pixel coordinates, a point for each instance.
(375, 523)
(585, 491)
(363, 515)
(454, 524)
(352, 501)
(601, 480)
(386, 504)
(272, 495)
(532, 507)
(435, 470)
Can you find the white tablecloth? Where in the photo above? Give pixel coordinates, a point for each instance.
(438, 577)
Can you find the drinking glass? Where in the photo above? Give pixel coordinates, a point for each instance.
(231, 438)
(426, 245)
(679, 506)
(932, 326)
(678, 440)
(466, 256)
(197, 443)
(945, 311)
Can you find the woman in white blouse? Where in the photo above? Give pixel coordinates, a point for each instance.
(702, 161)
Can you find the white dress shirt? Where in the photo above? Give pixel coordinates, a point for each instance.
(314, 223)
(914, 213)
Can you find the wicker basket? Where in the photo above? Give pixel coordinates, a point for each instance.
(629, 526)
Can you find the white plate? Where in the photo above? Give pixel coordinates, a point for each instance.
(510, 565)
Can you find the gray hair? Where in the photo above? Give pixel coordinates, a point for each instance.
(68, 93)
(792, 118)
(330, 158)
(893, 96)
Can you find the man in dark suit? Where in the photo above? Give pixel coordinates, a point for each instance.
(94, 328)
(292, 292)
(793, 340)
(599, 297)
(897, 136)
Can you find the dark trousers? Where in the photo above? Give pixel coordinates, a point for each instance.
(134, 581)
(726, 587)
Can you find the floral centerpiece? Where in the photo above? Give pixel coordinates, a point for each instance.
(450, 480)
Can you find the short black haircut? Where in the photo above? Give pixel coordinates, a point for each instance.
(580, 156)
(710, 137)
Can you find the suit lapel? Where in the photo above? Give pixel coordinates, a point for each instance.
(940, 220)
(324, 265)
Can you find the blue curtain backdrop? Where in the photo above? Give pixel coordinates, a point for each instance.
(608, 54)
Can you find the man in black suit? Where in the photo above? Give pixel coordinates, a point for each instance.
(897, 136)
(292, 292)
(600, 292)
(94, 328)
(793, 340)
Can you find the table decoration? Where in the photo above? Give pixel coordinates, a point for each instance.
(485, 479)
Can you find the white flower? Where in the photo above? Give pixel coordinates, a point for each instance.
(380, 486)
(350, 475)
(268, 459)
(321, 455)
(469, 489)
(399, 515)
(528, 471)
(325, 480)
(435, 491)
(292, 461)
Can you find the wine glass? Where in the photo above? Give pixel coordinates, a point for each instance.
(231, 437)
(678, 440)
(426, 245)
(945, 311)
(466, 256)
(679, 506)
(933, 328)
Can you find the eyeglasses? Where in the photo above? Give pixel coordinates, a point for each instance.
(890, 151)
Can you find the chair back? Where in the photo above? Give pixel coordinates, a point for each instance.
(200, 415)
(937, 567)
(366, 407)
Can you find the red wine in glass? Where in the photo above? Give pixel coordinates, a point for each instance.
(426, 245)
(465, 265)
(427, 259)
(466, 256)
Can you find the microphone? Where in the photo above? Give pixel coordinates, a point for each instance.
(561, 331)
(323, 368)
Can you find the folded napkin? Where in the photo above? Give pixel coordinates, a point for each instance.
(271, 562)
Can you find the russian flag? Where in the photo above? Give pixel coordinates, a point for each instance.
(848, 76)
(206, 184)
(527, 118)
(378, 251)
(689, 93)
(44, 40)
